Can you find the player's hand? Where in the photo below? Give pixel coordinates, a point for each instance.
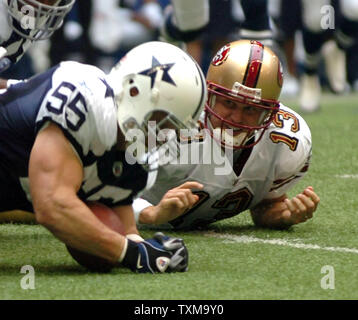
(158, 254)
(175, 202)
(283, 212)
(301, 207)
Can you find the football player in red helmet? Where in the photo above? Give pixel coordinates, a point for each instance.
(244, 83)
(271, 147)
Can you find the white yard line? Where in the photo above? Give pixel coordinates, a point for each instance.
(279, 242)
(347, 176)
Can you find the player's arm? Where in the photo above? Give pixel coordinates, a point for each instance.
(3, 83)
(173, 204)
(283, 212)
(126, 215)
(56, 174)
(6, 83)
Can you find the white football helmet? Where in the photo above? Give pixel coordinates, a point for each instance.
(158, 81)
(37, 19)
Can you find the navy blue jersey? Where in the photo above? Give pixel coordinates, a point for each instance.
(77, 98)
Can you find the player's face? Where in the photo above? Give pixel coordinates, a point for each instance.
(47, 2)
(35, 5)
(235, 112)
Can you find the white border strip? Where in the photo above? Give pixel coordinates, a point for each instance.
(279, 242)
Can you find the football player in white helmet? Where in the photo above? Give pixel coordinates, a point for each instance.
(271, 147)
(24, 21)
(63, 142)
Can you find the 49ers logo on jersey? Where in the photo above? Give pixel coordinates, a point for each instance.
(221, 55)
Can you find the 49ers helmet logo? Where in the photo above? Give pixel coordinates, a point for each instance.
(221, 55)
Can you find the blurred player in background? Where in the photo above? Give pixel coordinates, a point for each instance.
(321, 21)
(271, 149)
(204, 26)
(63, 142)
(185, 20)
(24, 21)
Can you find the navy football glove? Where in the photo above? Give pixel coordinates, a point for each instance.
(158, 254)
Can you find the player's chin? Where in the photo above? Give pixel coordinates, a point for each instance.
(233, 132)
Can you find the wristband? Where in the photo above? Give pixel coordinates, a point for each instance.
(124, 251)
(138, 205)
(134, 237)
(11, 82)
(131, 255)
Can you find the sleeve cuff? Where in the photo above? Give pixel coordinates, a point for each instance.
(138, 205)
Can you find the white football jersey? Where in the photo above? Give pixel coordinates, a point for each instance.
(277, 162)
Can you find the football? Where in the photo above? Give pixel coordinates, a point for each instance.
(108, 217)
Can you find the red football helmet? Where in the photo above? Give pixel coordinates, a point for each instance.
(250, 75)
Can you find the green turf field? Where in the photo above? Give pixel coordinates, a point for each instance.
(233, 259)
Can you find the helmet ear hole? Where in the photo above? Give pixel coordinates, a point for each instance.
(133, 91)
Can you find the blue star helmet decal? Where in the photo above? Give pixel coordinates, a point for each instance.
(109, 90)
(156, 66)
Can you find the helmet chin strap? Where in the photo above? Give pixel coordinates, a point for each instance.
(229, 139)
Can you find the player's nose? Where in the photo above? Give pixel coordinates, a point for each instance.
(236, 115)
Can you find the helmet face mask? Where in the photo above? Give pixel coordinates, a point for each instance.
(247, 76)
(159, 142)
(158, 126)
(37, 19)
(229, 133)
